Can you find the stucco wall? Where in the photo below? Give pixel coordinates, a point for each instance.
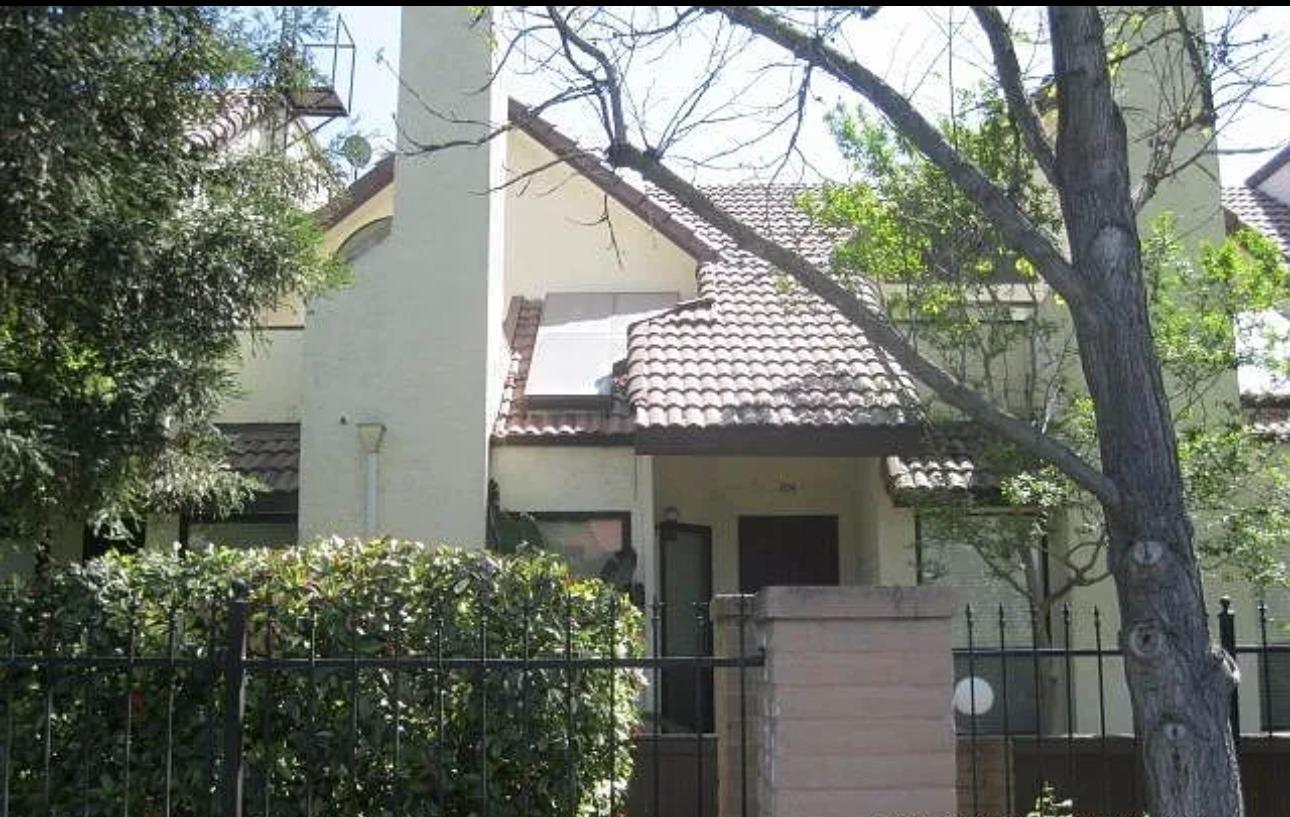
(411, 342)
(583, 479)
(270, 366)
(555, 243)
(875, 539)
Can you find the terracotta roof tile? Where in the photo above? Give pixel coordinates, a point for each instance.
(957, 464)
(756, 350)
(270, 452)
(516, 423)
(236, 111)
(1268, 417)
(1259, 211)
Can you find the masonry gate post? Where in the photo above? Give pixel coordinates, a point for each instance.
(850, 715)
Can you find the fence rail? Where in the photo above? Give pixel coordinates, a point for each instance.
(1050, 707)
(252, 716)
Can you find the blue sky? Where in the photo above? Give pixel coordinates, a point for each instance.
(376, 34)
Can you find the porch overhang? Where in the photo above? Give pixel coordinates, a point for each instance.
(830, 441)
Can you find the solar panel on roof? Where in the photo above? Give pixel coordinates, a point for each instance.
(581, 336)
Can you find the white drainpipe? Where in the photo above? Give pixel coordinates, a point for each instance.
(369, 437)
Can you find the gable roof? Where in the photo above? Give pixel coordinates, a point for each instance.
(640, 202)
(524, 119)
(235, 113)
(376, 179)
(1271, 166)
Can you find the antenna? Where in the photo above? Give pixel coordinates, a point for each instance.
(357, 151)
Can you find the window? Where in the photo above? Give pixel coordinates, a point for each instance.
(597, 544)
(269, 520)
(580, 338)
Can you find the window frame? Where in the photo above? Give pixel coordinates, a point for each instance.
(625, 517)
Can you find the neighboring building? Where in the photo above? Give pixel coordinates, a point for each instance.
(1263, 204)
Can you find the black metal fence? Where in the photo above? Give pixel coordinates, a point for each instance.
(267, 717)
(1040, 701)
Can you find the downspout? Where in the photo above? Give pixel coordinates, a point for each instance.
(369, 437)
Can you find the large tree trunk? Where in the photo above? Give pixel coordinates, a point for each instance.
(1180, 685)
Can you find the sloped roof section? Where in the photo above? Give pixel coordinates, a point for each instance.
(1268, 417)
(270, 452)
(518, 423)
(758, 352)
(235, 113)
(1261, 212)
(956, 465)
(358, 193)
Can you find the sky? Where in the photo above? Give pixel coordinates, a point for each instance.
(905, 45)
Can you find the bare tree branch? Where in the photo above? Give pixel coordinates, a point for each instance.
(870, 318)
(1014, 225)
(1020, 103)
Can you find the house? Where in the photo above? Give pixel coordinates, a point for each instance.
(529, 333)
(1262, 204)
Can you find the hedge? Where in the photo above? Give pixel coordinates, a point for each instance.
(322, 740)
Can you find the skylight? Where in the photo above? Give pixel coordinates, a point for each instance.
(581, 337)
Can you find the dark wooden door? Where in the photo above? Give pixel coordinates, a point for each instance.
(787, 550)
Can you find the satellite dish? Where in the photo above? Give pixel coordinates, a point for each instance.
(357, 151)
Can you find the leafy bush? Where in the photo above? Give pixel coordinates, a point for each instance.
(327, 736)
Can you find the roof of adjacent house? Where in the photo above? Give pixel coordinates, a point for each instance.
(956, 464)
(1268, 417)
(1268, 168)
(270, 452)
(1260, 211)
(235, 113)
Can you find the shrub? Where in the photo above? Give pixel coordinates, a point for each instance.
(322, 737)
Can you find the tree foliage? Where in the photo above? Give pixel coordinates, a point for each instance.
(327, 735)
(132, 251)
(963, 296)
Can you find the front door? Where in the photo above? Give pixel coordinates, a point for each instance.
(787, 550)
(685, 566)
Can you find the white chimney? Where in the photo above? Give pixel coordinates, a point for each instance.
(415, 342)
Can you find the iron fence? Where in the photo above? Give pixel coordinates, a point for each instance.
(258, 713)
(1041, 701)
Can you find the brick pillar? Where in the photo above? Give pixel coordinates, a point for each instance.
(851, 714)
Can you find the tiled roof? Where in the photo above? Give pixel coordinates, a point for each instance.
(270, 452)
(1268, 417)
(518, 424)
(236, 112)
(957, 464)
(358, 193)
(1259, 211)
(756, 351)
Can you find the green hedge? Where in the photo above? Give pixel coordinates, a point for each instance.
(325, 734)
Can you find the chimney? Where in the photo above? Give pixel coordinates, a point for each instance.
(414, 344)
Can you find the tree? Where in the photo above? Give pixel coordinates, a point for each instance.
(132, 250)
(956, 290)
(1091, 258)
